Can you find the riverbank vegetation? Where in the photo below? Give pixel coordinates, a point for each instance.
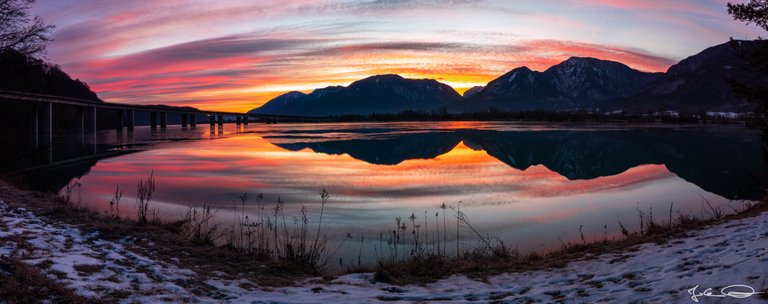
(491, 256)
(275, 248)
(23, 283)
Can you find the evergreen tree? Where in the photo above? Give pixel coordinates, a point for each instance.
(754, 89)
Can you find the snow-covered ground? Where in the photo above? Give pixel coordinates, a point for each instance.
(732, 253)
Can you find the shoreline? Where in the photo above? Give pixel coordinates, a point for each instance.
(108, 150)
(162, 245)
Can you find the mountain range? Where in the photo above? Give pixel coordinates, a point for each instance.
(575, 83)
(375, 94)
(697, 83)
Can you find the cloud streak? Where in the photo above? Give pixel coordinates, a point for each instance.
(236, 55)
(240, 65)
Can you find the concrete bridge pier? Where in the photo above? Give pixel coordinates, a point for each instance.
(131, 119)
(163, 120)
(119, 119)
(80, 123)
(238, 120)
(153, 120)
(90, 120)
(245, 120)
(45, 116)
(90, 126)
(34, 127)
(184, 120)
(220, 119)
(193, 120)
(212, 119)
(46, 124)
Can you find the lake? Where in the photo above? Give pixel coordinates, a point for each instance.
(530, 185)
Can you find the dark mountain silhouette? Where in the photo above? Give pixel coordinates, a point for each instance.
(726, 164)
(698, 83)
(588, 79)
(375, 94)
(517, 90)
(575, 83)
(285, 101)
(25, 74)
(472, 92)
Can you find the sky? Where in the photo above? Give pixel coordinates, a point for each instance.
(237, 55)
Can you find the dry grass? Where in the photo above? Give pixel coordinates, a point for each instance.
(87, 269)
(22, 283)
(164, 240)
(484, 260)
(415, 259)
(267, 234)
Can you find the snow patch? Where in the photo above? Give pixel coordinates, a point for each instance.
(511, 78)
(725, 254)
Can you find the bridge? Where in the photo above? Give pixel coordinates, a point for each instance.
(121, 116)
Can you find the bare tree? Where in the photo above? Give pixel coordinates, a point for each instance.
(756, 11)
(20, 31)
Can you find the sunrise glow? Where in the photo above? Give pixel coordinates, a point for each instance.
(237, 55)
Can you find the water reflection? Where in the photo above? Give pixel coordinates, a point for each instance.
(528, 184)
(723, 161)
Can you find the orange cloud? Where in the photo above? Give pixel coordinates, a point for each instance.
(235, 55)
(238, 73)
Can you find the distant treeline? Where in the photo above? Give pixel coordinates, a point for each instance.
(21, 73)
(551, 116)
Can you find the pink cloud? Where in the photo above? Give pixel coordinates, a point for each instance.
(224, 70)
(694, 7)
(545, 53)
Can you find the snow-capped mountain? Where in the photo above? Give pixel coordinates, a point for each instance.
(698, 83)
(472, 92)
(575, 83)
(590, 79)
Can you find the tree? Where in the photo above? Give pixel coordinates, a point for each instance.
(20, 31)
(756, 11)
(754, 87)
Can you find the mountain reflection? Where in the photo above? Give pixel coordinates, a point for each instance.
(726, 162)
(385, 151)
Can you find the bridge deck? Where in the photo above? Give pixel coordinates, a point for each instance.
(21, 96)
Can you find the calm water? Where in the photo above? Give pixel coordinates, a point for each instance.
(525, 184)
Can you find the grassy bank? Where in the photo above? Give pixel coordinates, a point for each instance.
(269, 251)
(486, 259)
(168, 241)
(23, 283)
